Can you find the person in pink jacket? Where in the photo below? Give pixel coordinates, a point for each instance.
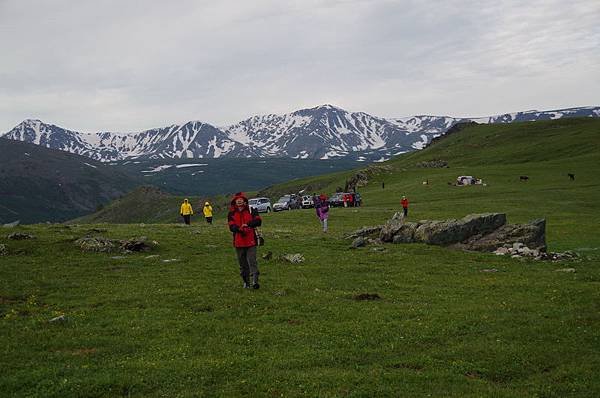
(323, 211)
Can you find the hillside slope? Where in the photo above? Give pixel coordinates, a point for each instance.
(148, 204)
(544, 151)
(39, 184)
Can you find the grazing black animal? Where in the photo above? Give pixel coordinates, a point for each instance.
(571, 176)
(523, 178)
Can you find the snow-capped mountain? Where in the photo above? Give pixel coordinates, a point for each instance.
(190, 140)
(323, 132)
(326, 132)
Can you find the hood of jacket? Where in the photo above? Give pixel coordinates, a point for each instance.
(235, 197)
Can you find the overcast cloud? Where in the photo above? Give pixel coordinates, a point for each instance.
(119, 65)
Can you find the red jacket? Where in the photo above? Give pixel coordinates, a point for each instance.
(243, 236)
(404, 203)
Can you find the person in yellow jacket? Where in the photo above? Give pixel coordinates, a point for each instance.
(207, 210)
(186, 211)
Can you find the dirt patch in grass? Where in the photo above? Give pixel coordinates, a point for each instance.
(366, 297)
(12, 299)
(82, 352)
(409, 366)
(202, 308)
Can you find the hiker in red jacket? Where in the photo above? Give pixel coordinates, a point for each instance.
(242, 220)
(404, 203)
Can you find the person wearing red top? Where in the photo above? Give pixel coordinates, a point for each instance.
(242, 220)
(404, 203)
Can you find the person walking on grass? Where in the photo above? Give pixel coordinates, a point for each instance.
(242, 221)
(323, 211)
(404, 203)
(207, 210)
(186, 211)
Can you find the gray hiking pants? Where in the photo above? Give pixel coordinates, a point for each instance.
(248, 265)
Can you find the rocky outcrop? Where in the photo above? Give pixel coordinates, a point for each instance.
(455, 231)
(361, 178)
(100, 244)
(532, 235)
(478, 232)
(433, 164)
(19, 236)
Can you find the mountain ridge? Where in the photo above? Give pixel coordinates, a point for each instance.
(322, 132)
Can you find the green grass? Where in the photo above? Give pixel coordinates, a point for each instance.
(138, 326)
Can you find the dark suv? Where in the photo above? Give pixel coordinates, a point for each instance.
(287, 202)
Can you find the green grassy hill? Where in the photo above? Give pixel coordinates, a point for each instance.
(148, 204)
(176, 322)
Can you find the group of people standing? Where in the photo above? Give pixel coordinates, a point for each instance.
(187, 212)
(243, 222)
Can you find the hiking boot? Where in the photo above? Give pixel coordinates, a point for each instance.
(255, 286)
(246, 285)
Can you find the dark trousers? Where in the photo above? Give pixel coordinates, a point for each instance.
(248, 266)
(209, 220)
(405, 209)
(186, 219)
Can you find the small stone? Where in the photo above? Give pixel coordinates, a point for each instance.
(152, 256)
(489, 270)
(117, 257)
(358, 242)
(19, 236)
(517, 245)
(566, 270)
(294, 258)
(515, 256)
(170, 260)
(501, 251)
(60, 318)
(268, 255)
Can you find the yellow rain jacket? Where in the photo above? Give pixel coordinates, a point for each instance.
(186, 208)
(207, 210)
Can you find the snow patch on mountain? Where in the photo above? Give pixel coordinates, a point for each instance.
(158, 168)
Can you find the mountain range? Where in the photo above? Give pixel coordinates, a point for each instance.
(323, 132)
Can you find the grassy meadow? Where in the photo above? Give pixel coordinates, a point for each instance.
(175, 322)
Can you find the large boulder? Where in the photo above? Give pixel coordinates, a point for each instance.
(532, 235)
(391, 227)
(406, 233)
(454, 231)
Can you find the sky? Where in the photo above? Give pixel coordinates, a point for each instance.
(125, 65)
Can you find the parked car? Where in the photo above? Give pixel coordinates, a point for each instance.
(307, 202)
(287, 202)
(337, 199)
(262, 205)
